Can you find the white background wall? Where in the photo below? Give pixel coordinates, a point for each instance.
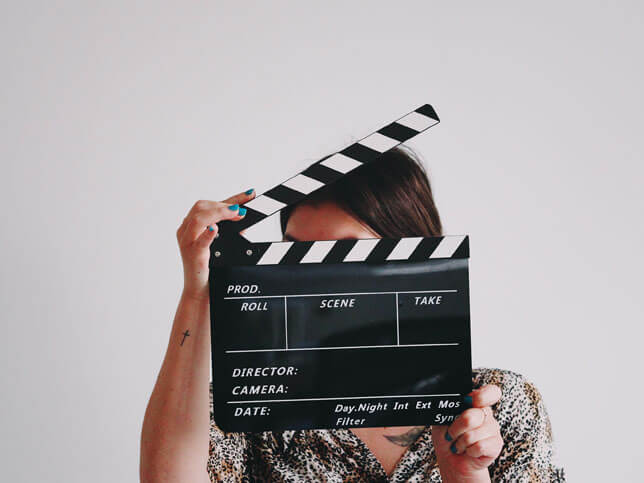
(117, 116)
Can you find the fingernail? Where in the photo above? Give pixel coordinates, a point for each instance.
(447, 436)
(453, 447)
(233, 207)
(248, 192)
(210, 228)
(468, 401)
(242, 211)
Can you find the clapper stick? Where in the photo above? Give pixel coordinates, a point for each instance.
(232, 247)
(338, 333)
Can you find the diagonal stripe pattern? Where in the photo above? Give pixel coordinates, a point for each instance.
(330, 169)
(365, 250)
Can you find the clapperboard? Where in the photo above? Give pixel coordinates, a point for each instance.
(338, 333)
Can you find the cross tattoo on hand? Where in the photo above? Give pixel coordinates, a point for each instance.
(185, 334)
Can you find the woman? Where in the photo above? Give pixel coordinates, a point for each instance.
(504, 435)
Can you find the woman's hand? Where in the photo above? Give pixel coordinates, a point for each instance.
(466, 448)
(196, 233)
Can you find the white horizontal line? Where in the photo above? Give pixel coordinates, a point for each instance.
(337, 398)
(333, 294)
(343, 347)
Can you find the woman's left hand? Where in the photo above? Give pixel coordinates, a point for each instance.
(466, 448)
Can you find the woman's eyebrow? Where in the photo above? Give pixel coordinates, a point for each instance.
(287, 237)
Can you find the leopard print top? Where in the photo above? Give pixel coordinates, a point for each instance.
(336, 455)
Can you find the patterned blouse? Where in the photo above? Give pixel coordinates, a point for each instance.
(336, 455)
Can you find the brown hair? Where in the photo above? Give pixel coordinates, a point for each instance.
(391, 195)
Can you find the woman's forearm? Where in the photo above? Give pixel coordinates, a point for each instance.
(174, 439)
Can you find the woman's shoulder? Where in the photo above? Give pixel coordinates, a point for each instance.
(493, 375)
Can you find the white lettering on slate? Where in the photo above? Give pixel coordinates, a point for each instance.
(429, 300)
(349, 422)
(448, 404)
(264, 371)
(253, 411)
(260, 389)
(337, 303)
(254, 307)
(242, 289)
(441, 419)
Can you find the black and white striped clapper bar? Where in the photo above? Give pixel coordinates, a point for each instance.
(338, 333)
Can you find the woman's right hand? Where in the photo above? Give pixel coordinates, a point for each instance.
(196, 233)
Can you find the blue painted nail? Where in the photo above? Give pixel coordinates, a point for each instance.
(233, 207)
(447, 436)
(453, 447)
(210, 228)
(248, 192)
(468, 401)
(242, 211)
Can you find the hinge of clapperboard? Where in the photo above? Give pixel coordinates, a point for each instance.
(232, 248)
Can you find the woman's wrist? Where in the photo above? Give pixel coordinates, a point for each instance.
(200, 295)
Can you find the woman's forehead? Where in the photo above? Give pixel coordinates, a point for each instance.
(324, 221)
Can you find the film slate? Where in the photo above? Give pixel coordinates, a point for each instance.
(335, 334)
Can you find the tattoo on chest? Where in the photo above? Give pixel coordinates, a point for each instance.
(406, 438)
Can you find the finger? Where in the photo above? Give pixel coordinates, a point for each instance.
(488, 429)
(487, 395)
(468, 420)
(241, 198)
(489, 447)
(199, 205)
(207, 216)
(209, 234)
(206, 205)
